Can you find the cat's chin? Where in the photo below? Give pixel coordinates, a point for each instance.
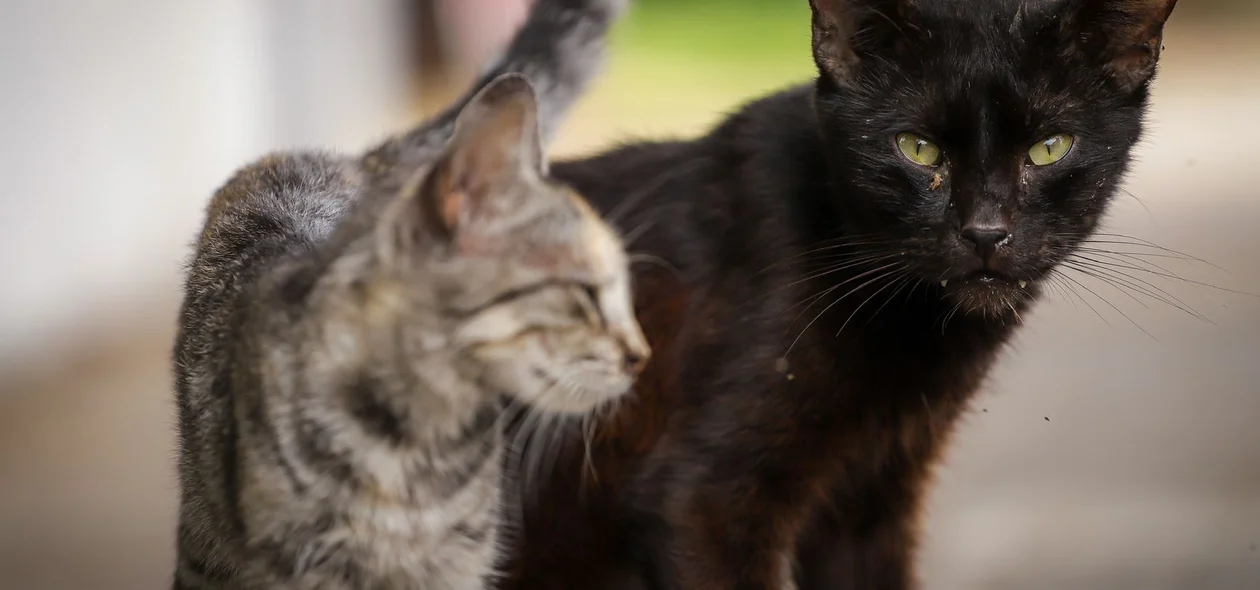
(582, 393)
(990, 295)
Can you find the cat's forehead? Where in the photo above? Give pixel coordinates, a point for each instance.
(979, 35)
(986, 12)
(1005, 66)
(568, 240)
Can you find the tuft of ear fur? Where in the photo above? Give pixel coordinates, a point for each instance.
(1124, 37)
(845, 29)
(495, 146)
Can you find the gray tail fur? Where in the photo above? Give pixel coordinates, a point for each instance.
(560, 49)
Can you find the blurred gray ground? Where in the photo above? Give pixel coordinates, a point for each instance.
(1101, 456)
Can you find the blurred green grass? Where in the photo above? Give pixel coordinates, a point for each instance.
(758, 34)
(678, 66)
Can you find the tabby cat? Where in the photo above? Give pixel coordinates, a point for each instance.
(350, 329)
(842, 264)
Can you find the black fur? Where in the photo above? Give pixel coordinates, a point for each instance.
(809, 365)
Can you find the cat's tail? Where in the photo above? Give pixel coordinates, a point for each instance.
(560, 49)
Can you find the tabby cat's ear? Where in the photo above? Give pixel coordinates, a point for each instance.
(1124, 37)
(846, 30)
(494, 150)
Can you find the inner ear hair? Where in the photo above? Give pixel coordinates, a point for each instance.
(430, 208)
(442, 201)
(843, 29)
(834, 26)
(495, 143)
(494, 149)
(500, 125)
(1125, 37)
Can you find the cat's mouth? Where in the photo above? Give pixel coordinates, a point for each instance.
(987, 277)
(989, 291)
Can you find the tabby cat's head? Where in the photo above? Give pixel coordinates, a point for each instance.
(982, 138)
(532, 286)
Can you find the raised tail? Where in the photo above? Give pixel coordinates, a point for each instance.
(560, 49)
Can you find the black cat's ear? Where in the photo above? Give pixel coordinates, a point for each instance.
(495, 148)
(1124, 37)
(846, 30)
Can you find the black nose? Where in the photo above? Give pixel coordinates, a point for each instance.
(986, 238)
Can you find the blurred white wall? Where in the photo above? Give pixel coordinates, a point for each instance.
(118, 119)
(475, 31)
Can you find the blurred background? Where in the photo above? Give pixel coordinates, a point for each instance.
(1118, 446)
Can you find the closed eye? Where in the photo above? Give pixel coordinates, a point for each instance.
(588, 300)
(591, 293)
(522, 292)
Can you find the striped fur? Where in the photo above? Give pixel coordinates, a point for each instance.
(350, 327)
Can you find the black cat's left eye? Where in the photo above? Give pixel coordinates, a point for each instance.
(1051, 149)
(919, 149)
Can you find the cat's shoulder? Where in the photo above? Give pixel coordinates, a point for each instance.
(771, 118)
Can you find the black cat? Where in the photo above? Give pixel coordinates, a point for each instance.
(837, 268)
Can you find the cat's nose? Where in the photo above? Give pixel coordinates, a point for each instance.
(629, 334)
(635, 352)
(635, 362)
(986, 238)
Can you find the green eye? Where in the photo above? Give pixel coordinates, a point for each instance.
(1050, 150)
(919, 150)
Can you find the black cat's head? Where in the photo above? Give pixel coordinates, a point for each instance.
(982, 138)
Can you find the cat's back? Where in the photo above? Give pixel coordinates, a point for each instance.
(687, 200)
(265, 213)
(284, 195)
(281, 204)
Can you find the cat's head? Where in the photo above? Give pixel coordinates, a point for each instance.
(982, 139)
(533, 286)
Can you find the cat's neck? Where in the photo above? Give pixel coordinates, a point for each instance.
(394, 369)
